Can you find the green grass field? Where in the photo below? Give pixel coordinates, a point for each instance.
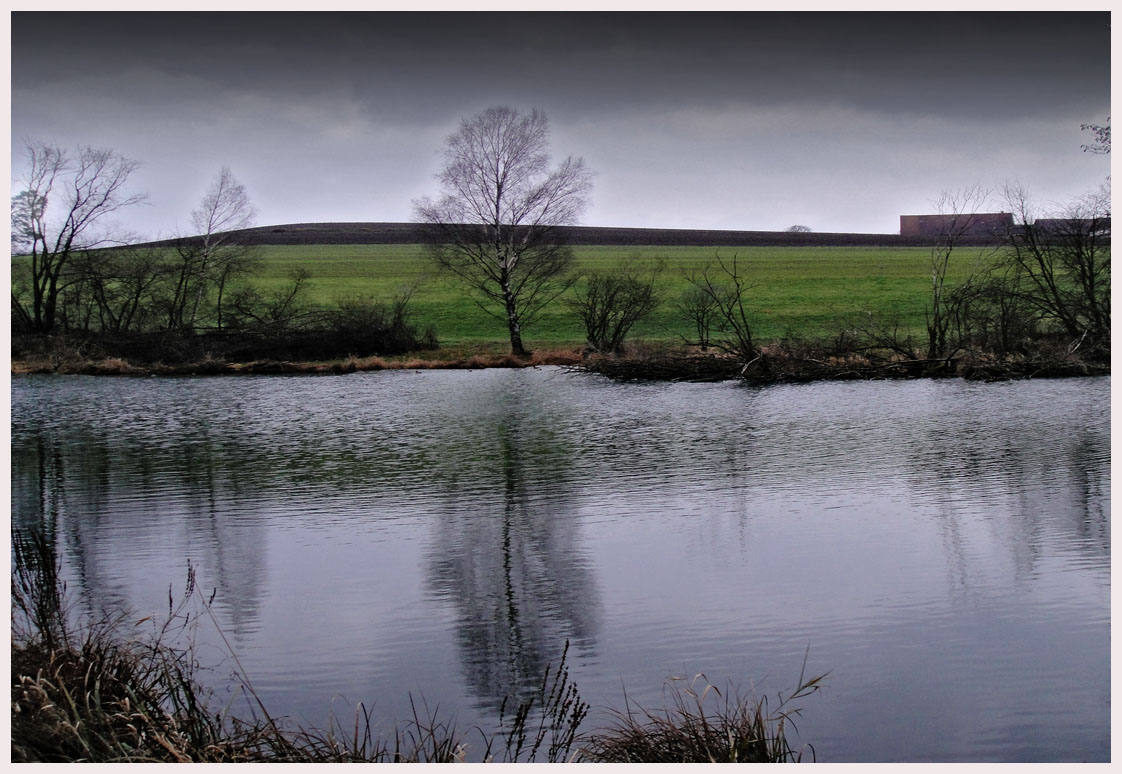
(806, 291)
(811, 292)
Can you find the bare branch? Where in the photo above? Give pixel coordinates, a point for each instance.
(611, 303)
(725, 291)
(1065, 263)
(64, 201)
(1101, 134)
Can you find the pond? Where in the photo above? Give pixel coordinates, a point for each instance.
(941, 548)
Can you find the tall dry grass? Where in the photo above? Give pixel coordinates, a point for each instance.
(702, 724)
(97, 691)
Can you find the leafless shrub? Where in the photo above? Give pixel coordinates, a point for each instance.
(610, 303)
(724, 289)
(1063, 265)
(699, 308)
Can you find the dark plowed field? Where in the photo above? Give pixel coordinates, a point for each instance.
(412, 233)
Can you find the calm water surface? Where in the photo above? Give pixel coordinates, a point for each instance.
(942, 548)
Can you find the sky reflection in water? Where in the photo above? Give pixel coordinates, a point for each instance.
(941, 547)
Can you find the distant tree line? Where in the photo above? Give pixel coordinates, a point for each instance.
(1043, 290)
(1046, 285)
(74, 275)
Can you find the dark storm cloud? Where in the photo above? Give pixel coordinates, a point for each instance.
(722, 120)
(985, 64)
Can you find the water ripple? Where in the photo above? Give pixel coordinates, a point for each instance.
(943, 548)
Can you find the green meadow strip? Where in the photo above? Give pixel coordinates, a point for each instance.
(800, 291)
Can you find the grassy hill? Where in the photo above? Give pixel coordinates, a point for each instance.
(805, 284)
(807, 290)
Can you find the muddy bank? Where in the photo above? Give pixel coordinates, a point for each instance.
(122, 367)
(788, 361)
(781, 368)
(775, 368)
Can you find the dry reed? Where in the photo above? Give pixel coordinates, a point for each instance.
(84, 692)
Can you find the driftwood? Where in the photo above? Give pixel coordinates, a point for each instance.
(664, 368)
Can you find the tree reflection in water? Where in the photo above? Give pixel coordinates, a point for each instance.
(101, 499)
(507, 556)
(1043, 480)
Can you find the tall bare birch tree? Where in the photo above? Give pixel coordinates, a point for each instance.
(497, 223)
(213, 257)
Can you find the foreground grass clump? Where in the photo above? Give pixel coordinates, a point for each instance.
(80, 695)
(96, 693)
(703, 725)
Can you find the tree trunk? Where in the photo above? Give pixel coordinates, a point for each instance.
(46, 321)
(516, 347)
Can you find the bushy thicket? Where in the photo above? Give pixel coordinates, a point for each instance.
(148, 305)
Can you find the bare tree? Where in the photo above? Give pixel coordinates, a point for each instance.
(224, 208)
(209, 260)
(124, 285)
(610, 303)
(700, 309)
(1065, 263)
(957, 210)
(60, 212)
(798, 229)
(496, 225)
(726, 288)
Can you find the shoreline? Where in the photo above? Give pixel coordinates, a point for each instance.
(120, 367)
(667, 364)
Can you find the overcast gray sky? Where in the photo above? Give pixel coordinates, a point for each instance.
(750, 120)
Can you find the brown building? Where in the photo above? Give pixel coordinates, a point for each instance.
(974, 224)
(1073, 225)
